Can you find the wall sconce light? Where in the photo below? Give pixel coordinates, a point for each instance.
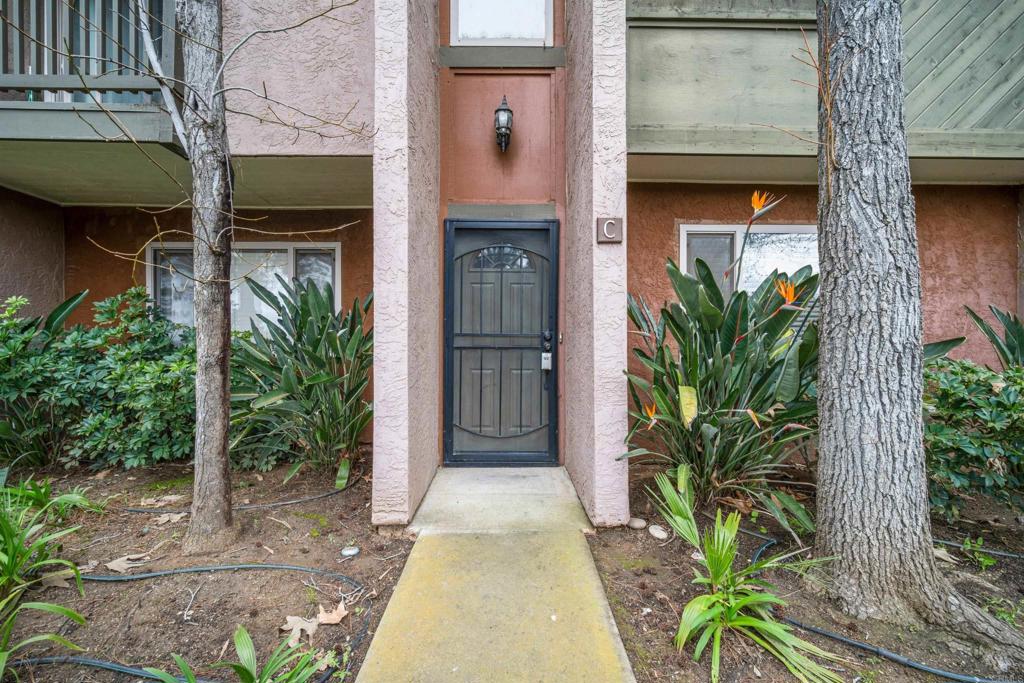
(503, 123)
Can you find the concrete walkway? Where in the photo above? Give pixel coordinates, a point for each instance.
(500, 586)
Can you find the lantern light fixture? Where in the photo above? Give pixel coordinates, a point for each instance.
(503, 123)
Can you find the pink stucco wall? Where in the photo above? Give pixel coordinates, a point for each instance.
(323, 68)
(31, 251)
(406, 258)
(595, 275)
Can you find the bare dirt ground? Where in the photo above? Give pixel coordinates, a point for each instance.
(141, 623)
(648, 584)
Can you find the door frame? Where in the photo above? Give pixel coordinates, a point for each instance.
(512, 458)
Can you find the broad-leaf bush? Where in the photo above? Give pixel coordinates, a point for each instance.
(300, 380)
(727, 383)
(120, 392)
(974, 434)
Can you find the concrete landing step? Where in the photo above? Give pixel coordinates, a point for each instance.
(497, 607)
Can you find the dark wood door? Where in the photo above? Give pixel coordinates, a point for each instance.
(500, 351)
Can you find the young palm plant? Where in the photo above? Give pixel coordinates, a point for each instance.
(736, 599)
(287, 664)
(1010, 347)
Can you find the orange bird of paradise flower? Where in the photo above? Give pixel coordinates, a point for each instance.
(649, 410)
(787, 290)
(760, 199)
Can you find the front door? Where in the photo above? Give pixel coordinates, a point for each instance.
(500, 320)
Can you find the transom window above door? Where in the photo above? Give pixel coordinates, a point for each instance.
(785, 248)
(171, 284)
(508, 22)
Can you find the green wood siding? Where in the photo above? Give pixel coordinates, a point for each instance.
(723, 77)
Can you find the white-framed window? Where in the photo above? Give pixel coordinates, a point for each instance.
(785, 248)
(171, 285)
(509, 22)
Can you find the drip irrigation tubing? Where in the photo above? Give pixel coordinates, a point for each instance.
(254, 506)
(363, 629)
(868, 647)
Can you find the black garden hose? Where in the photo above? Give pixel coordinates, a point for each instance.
(133, 671)
(868, 647)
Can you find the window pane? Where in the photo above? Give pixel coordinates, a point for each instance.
(174, 289)
(262, 266)
(316, 266)
(508, 20)
(786, 252)
(715, 249)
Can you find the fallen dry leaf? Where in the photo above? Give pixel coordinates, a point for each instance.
(122, 564)
(101, 475)
(334, 616)
(57, 579)
(170, 517)
(161, 501)
(943, 554)
(88, 567)
(297, 625)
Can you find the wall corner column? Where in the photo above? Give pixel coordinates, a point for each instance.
(406, 257)
(596, 410)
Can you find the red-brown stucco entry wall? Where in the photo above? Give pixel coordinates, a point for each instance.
(967, 238)
(123, 230)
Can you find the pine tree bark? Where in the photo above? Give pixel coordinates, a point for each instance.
(200, 22)
(873, 511)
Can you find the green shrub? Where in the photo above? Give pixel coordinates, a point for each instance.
(730, 385)
(300, 384)
(35, 416)
(974, 434)
(734, 599)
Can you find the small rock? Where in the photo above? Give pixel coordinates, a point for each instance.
(645, 611)
(349, 551)
(658, 532)
(143, 531)
(636, 523)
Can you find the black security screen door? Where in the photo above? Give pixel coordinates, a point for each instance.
(500, 319)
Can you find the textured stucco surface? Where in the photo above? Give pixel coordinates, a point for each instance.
(31, 251)
(126, 230)
(966, 235)
(323, 68)
(406, 255)
(595, 275)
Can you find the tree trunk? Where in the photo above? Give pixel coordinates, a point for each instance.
(873, 511)
(200, 22)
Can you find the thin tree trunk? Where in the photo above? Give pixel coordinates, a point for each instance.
(200, 22)
(873, 512)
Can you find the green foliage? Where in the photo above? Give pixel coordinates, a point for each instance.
(300, 384)
(730, 384)
(1006, 611)
(972, 548)
(287, 664)
(974, 434)
(1009, 347)
(118, 393)
(734, 600)
(34, 416)
(28, 547)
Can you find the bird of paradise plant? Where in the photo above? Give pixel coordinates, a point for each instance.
(729, 381)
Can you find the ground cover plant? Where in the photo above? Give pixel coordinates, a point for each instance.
(974, 434)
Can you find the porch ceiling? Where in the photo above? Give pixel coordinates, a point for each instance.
(75, 173)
